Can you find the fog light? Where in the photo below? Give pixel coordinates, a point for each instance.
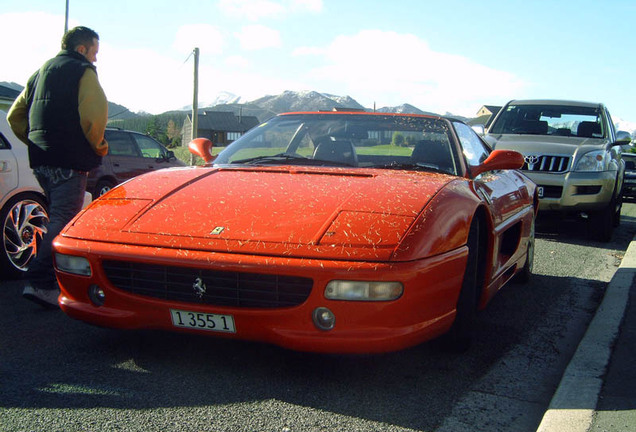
(324, 319)
(96, 294)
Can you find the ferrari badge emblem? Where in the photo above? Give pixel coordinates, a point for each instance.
(199, 287)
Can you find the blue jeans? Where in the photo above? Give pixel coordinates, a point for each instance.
(64, 189)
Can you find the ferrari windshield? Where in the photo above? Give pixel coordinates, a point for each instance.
(347, 140)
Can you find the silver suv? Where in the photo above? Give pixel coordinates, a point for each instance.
(572, 153)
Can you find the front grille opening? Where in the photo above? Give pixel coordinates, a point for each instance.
(200, 286)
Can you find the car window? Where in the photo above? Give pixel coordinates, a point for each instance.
(148, 147)
(121, 144)
(4, 143)
(393, 142)
(474, 149)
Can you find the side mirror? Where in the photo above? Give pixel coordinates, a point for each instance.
(622, 138)
(202, 147)
(498, 160)
(479, 129)
(169, 156)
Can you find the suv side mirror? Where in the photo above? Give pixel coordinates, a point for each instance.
(498, 160)
(170, 155)
(622, 138)
(479, 129)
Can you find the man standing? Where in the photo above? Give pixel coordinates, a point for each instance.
(61, 115)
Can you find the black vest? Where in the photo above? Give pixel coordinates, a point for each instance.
(56, 138)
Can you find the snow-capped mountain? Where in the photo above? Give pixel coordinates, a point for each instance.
(304, 101)
(221, 98)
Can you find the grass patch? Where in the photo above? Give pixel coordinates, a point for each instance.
(182, 153)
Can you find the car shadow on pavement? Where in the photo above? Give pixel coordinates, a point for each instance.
(581, 231)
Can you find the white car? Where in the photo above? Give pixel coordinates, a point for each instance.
(23, 212)
(23, 205)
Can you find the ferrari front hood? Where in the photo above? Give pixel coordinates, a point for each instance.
(281, 211)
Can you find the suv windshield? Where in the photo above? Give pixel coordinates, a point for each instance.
(550, 120)
(372, 141)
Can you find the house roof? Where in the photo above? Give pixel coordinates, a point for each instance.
(8, 93)
(225, 121)
(494, 109)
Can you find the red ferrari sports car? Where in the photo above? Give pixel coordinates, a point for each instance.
(341, 232)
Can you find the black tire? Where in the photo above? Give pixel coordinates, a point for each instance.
(23, 221)
(602, 222)
(459, 337)
(102, 187)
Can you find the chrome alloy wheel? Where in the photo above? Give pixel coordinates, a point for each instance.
(23, 228)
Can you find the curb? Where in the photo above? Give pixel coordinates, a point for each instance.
(574, 402)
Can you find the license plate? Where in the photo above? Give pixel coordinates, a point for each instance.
(540, 191)
(202, 321)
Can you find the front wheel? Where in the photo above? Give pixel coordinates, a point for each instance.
(603, 221)
(460, 335)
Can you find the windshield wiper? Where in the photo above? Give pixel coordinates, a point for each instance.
(286, 159)
(410, 166)
(277, 158)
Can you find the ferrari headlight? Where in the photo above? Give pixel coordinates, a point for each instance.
(363, 291)
(597, 160)
(72, 264)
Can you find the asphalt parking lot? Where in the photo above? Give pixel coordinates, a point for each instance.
(58, 374)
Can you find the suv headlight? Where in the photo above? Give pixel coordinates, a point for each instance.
(597, 160)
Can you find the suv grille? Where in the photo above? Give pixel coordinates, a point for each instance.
(546, 163)
(220, 288)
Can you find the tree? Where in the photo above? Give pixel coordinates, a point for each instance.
(398, 139)
(173, 132)
(153, 129)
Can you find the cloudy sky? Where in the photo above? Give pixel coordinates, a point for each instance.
(452, 56)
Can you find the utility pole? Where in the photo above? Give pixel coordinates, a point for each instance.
(66, 19)
(195, 102)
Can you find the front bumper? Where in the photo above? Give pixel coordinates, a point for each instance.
(574, 191)
(425, 310)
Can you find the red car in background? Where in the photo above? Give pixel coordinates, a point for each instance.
(342, 232)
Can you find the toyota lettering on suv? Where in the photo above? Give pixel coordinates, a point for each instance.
(572, 152)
